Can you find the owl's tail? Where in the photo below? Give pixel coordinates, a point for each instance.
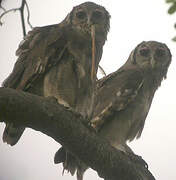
(70, 163)
(12, 133)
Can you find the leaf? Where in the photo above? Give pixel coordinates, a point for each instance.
(172, 9)
(174, 39)
(170, 1)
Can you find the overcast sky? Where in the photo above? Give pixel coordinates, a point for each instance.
(132, 21)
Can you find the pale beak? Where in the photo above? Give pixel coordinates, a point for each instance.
(89, 21)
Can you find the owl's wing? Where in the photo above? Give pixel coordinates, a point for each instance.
(115, 92)
(41, 49)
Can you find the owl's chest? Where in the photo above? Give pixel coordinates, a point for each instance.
(125, 124)
(137, 112)
(80, 49)
(142, 103)
(61, 82)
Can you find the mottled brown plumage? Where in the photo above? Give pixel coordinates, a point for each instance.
(125, 96)
(56, 61)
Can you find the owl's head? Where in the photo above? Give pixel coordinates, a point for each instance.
(83, 16)
(152, 56)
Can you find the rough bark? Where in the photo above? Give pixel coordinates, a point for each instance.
(66, 127)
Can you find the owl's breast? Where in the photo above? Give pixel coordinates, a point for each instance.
(125, 124)
(61, 82)
(70, 82)
(138, 111)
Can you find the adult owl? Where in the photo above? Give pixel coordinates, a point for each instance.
(124, 98)
(56, 61)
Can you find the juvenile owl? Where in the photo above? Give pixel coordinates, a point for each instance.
(125, 96)
(56, 61)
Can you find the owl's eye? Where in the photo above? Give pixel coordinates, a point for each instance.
(81, 15)
(160, 52)
(97, 14)
(144, 52)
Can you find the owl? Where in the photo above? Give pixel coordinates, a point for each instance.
(56, 61)
(125, 96)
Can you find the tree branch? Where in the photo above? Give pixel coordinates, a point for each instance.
(21, 10)
(66, 127)
(1, 7)
(28, 16)
(6, 12)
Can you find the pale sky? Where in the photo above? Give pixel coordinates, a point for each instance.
(132, 22)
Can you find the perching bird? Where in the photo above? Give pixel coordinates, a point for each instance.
(125, 96)
(56, 60)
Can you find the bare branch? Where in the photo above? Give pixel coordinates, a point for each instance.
(21, 10)
(102, 70)
(6, 12)
(66, 127)
(1, 7)
(28, 16)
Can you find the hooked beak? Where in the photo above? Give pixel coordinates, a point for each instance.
(89, 22)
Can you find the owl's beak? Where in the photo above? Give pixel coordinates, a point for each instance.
(89, 21)
(153, 62)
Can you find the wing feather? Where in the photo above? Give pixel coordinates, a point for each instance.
(115, 93)
(41, 49)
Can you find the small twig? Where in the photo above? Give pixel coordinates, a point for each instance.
(28, 16)
(102, 70)
(1, 7)
(4, 13)
(21, 9)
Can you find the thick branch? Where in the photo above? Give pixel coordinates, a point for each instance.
(66, 127)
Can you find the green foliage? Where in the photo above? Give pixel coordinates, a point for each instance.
(170, 1)
(172, 8)
(174, 39)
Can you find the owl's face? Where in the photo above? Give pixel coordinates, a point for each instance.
(88, 14)
(152, 55)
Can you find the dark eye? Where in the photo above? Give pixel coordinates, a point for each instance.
(81, 15)
(160, 52)
(144, 52)
(97, 14)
